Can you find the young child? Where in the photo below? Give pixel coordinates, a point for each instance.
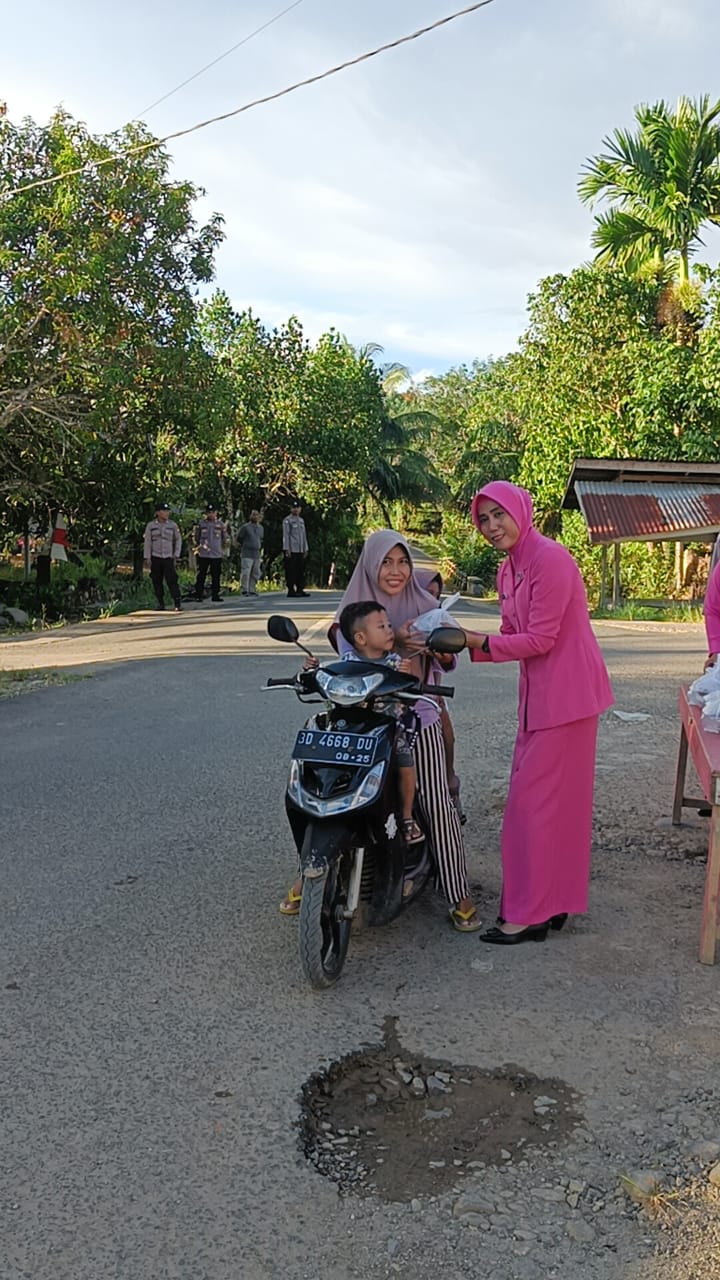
(366, 626)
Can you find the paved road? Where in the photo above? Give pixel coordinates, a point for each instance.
(144, 968)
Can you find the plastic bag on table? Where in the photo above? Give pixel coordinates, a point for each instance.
(710, 718)
(705, 685)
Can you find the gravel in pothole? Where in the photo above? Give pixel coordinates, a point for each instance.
(388, 1122)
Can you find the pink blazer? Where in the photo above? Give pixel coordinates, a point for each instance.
(546, 627)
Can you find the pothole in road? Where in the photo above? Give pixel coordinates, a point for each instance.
(391, 1123)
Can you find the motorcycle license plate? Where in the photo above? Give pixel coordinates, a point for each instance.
(333, 747)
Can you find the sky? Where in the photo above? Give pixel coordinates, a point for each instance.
(414, 201)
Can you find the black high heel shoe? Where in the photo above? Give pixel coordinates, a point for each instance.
(533, 933)
(555, 922)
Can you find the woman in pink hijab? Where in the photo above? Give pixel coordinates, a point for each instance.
(564, 687)
(711, 608)
(384, 573)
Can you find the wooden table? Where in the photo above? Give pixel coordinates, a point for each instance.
(705, 751)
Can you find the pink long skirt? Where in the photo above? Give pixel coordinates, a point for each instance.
(547, 829)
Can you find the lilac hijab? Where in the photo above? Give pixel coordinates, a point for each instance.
(425, 576)
(363, 585)
(516, 501)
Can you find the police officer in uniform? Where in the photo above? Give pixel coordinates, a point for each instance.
(161, 551)
(295, 549)
(210, 540)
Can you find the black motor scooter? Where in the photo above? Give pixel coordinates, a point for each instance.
(343, 803)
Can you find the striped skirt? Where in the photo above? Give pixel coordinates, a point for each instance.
(439, 815)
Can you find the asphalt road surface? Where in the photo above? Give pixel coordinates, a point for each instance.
(144, 969)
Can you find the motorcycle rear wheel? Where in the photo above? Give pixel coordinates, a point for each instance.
(324, 929)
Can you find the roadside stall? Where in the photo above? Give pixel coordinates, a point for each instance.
(631, 500)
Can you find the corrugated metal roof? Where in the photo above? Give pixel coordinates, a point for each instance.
(636, 512)
(636, 470)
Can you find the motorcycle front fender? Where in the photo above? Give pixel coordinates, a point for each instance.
(323, 844)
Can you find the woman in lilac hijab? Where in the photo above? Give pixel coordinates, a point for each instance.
(431, 580)
(384, 573)
(564, 687)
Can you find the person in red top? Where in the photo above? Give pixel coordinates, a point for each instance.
(564, 687)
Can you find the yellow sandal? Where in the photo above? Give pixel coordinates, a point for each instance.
(465, 921)
(290, 905)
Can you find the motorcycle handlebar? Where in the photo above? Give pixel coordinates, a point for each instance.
(427, 690)
(442, 690)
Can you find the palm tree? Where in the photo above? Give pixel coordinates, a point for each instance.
(662, 184)
(394, 378)
(401, 470)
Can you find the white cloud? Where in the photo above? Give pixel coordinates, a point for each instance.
(413, 201)
(656, 19)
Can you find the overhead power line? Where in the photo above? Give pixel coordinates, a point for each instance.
(154, 143)
(245, 40)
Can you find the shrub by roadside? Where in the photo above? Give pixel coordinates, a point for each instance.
(77, 592)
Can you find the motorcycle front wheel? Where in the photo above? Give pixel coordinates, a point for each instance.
(324, 927)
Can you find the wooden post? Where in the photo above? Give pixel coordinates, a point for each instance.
(616, 576)
(603, 576)
(679, 550)
(709, 931)
(680, 778)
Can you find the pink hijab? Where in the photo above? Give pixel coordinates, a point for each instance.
(516, 501)
(363, 585)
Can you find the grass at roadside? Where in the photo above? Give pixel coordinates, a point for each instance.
(13, 683)
(638, 612)
(635, 611)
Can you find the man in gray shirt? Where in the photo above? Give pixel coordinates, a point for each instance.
(210, 540)
(295, 549)
(161, 550)
(251, 536)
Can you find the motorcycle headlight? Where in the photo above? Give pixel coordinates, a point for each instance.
(346, 690)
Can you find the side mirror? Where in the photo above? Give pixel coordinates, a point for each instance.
(283, 629)
(446, 640)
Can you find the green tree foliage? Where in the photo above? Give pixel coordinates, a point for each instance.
(477, 433)
(598, 375)
(599, 372)
(402, 476)
(471, 433)
(101, 365)
(402, 471)
(662, 184)
(117, 384)
(291, 418)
